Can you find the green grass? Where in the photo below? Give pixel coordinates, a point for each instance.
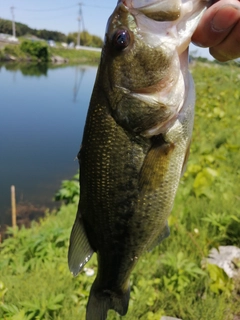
(13, 51)
(74, 55)
(171, 280)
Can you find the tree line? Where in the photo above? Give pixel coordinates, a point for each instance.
(86, 39)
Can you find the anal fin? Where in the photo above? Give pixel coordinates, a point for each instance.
(80, 251)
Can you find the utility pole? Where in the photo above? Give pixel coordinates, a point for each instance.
(13, 22)
(79, 22)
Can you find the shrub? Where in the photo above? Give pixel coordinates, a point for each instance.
(35, 49)
(69, 191)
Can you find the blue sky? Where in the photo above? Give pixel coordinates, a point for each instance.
(61, 15)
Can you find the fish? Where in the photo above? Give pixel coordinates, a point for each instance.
(135, 144)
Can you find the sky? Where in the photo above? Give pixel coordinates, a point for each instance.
(61, 15)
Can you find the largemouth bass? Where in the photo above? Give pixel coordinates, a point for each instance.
(135, 144)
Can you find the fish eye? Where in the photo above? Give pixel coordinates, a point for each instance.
(121, 39)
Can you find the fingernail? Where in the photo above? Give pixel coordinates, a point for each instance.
(224, 18)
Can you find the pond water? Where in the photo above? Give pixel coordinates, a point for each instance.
(42, 116)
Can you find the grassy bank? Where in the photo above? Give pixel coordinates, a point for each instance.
(36, 51)
(174, 278)
(73, 55)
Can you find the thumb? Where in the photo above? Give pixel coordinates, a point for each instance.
(216, 23)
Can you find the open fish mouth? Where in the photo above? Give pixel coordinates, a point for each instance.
(167, 23)
(160, 11)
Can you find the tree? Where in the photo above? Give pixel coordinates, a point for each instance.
(23, 29)
(86, 39)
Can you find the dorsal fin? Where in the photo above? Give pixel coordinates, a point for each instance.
(80, 251)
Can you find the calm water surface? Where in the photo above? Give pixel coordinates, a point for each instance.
(42, 116)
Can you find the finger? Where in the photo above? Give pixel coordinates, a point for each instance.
(216, 23)
(229, 48)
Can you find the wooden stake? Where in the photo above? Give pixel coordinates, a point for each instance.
(13, 201)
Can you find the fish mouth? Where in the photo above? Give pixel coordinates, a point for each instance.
(167, 24)
(157, 10)
(165, 10)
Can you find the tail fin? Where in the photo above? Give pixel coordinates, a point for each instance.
(101, 301)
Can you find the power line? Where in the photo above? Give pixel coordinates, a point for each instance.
(46, 10)
(49, 18)
(62, 8)
(96, 6)
(46, 17)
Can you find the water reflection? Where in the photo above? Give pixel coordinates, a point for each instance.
(79, 74)
(43, 111)
(28, 69)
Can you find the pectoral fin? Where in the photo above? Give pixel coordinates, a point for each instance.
(156, 165)
(80, 251)
(163, 235)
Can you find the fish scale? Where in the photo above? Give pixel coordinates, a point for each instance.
(108, 188)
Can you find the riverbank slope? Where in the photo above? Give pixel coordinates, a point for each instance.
(37, 51)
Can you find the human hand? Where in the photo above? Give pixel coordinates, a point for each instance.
(219, 29)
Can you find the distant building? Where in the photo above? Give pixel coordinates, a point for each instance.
(8, 37)
(51, 43)
(71, 45)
